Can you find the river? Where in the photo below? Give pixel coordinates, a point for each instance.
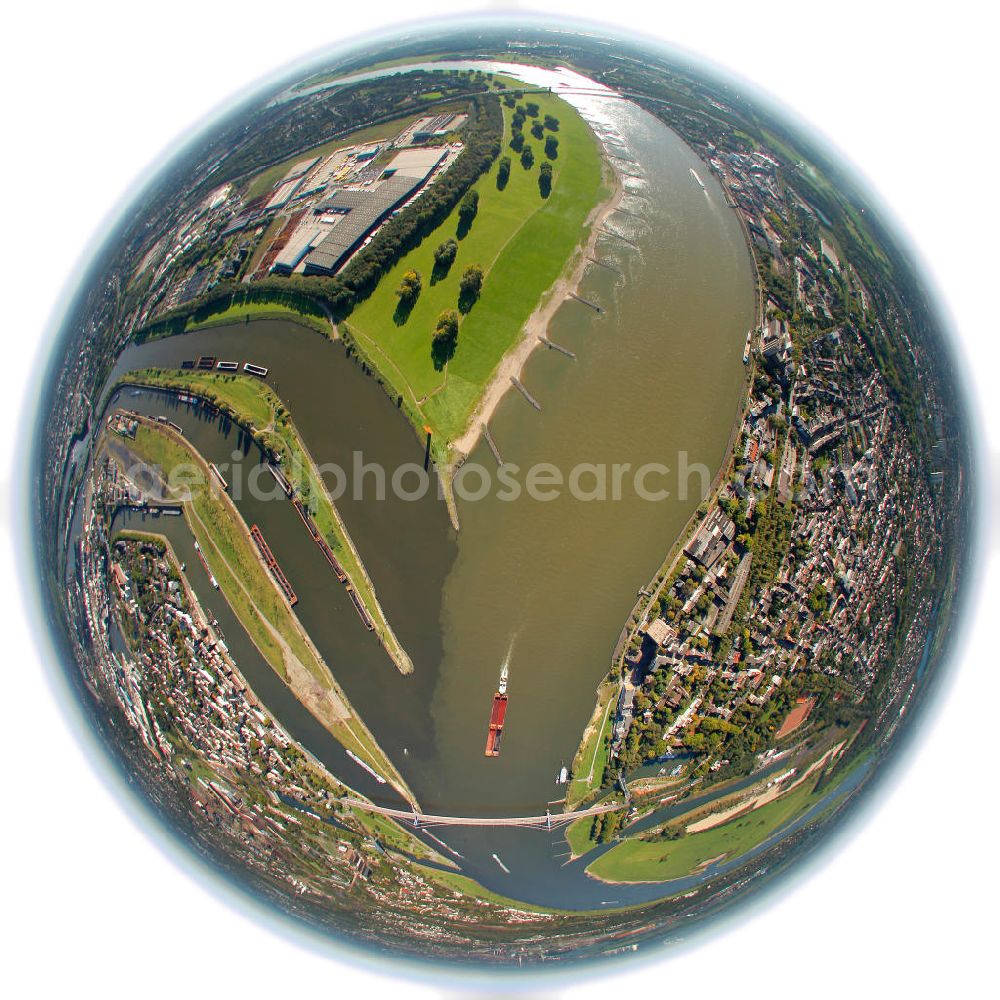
(542, 586)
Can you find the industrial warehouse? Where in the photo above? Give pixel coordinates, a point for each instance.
(337, 226)
(312, 218)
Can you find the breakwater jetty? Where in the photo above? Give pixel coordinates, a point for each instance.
(516, 382)
(586, 302)
(492, 444)
(557, 347)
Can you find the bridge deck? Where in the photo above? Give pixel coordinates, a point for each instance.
(548, 820)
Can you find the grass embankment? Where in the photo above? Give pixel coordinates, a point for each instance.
(592, 754)
(521, 240)
(578, 836)
(244, 312)
(254, 404)
(254, 596)
(662, 859)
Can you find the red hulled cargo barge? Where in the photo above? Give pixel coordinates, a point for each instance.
(497, 716)
(272, 565)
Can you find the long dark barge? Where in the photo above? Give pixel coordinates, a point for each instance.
(272, 565)
(361, 609)
(280, 479)
(324, 547)
(169, 423)
(320, 541)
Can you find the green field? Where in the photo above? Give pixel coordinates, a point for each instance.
(521, 240)
(255, 404)
(661, 859)
(249, 589)
(578, 835)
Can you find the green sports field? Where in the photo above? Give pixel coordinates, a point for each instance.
(520, 239)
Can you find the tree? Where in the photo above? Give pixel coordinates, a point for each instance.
(408, 292)
(818, 599)
(444, 257)
(409, 287)
(537, 129)
(551, 147)
(467, 212)
(470, 287)
(532, 108)
(503, 172)
(545, 179)
(527, 158)
(517, 140)
(469, 206)
(445, 337)
(552, 123)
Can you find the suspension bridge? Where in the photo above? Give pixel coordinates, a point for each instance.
(548, 821)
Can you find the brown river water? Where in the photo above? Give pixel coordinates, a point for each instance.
(544, 586)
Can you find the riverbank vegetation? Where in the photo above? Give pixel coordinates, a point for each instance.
(255, 406)
(520, 227)
(241, 305)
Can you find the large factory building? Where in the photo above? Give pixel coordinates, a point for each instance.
(341, 223)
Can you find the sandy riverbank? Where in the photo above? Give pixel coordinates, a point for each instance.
(537, 324)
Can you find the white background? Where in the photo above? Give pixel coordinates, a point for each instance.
(94, 96)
